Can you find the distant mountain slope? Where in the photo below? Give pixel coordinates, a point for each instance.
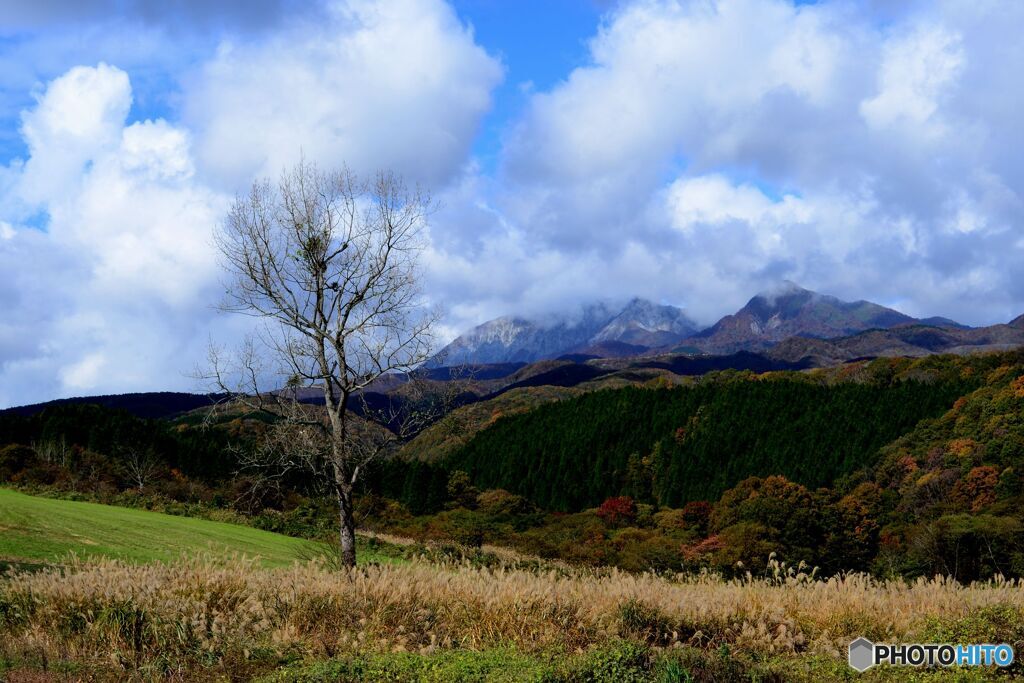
(154, 404)
(788, 311)
(939, 321)
(903, 340)
(637, 326)
(643, 328)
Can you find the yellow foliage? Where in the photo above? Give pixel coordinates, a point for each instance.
(962, 448)
(998, 374)
(926, 478)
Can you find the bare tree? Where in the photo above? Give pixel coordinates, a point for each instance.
(331, 263)
(141, 466)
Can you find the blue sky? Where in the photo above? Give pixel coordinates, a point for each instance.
(539, 43)
(691, 152)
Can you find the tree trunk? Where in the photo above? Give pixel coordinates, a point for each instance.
(347, 527)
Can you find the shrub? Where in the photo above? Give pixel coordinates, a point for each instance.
(461, 492)
(641, 621)
(13, 459)
(619, 510)
(501, 502)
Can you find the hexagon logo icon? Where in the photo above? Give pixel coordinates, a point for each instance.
(862, 654)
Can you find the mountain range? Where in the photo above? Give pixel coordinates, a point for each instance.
(787, 319)
(596, 330)
(786, 328)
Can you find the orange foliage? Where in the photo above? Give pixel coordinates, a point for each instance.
(962, 448)
(909, 464)
(978, 489)
(1018, 387)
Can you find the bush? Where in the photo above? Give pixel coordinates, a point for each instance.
(13, 459)
(620, 662)
(641, 621)
(618, 511)
(500, 503)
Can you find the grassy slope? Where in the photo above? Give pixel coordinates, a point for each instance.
(46, 529)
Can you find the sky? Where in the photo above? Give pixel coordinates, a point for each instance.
(692, 152)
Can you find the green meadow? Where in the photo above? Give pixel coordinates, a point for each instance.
(47, 530)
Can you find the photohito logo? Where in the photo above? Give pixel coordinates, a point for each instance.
(864, 654)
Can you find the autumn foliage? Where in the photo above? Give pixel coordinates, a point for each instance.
(618, 510)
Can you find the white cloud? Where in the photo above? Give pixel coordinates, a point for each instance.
(915, 72)
(727, 144)
(714, 199)
(117, 284)
(113, 288)
(80, 113)
(397, 84)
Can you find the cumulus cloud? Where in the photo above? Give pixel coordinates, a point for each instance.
(397, 84)
(115, 287)
(79, 114)
(728, 144)
(110, 273)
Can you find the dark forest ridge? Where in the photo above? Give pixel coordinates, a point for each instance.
(150, 404)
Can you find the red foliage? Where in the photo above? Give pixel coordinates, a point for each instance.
(618, 510)
(696, 514)
(703, 549)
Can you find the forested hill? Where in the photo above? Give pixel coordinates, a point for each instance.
(671, 446)
(92, 442)
(153, 404)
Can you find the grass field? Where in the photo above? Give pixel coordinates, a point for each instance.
(44, 530)
(425, 621)
(150, 614)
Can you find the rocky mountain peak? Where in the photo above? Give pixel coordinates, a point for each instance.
(638, 325)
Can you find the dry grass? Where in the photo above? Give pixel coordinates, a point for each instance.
(172, 618)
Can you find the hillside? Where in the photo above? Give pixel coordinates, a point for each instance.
(914, 340)
(47, 529)
(676, 445)
(553, 380)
